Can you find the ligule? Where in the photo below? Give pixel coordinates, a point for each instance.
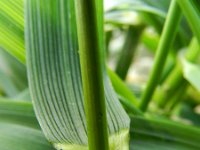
(55, 78)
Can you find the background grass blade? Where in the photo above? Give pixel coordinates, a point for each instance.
(167, 37)
(19, 128)
(18, 112)
(18, 137)
(154, 134)
(12, 28)
(192, 13)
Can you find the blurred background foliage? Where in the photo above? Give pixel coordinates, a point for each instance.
(132, 33)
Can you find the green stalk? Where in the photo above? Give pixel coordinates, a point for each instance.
(167, 37)
(175, 79)
(191, 15)
(107, 39)
(170, 64)
(128, 51)
(91, 43)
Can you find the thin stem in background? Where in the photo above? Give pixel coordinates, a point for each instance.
(167, 37)
(107, 39)
(191, 15)
(128, 51)
(91, 43)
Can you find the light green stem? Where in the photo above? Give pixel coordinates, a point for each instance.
(167, 37)
(191, 15)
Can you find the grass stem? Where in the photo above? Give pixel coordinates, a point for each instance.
(128, 51)
(192, 16)
(167, 37)
(91, 43)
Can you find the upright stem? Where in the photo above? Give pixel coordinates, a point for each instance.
(128, 51)
(191, 15)
(89, 15)
(167, 37)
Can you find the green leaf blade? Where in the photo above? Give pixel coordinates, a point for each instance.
(191, 73)
(12, 28)
(17, 137)
(55, 77)
(158, 133)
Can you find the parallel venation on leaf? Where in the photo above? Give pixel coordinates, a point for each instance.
(55, 77)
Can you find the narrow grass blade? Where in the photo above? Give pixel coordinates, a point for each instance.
(12, 28)
(18, 137)
(151, 134)
(18, 112)
(19, 129)
(167, 37)
(121, 89)
(192, 13)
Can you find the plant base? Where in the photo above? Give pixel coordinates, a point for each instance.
(119, 141)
